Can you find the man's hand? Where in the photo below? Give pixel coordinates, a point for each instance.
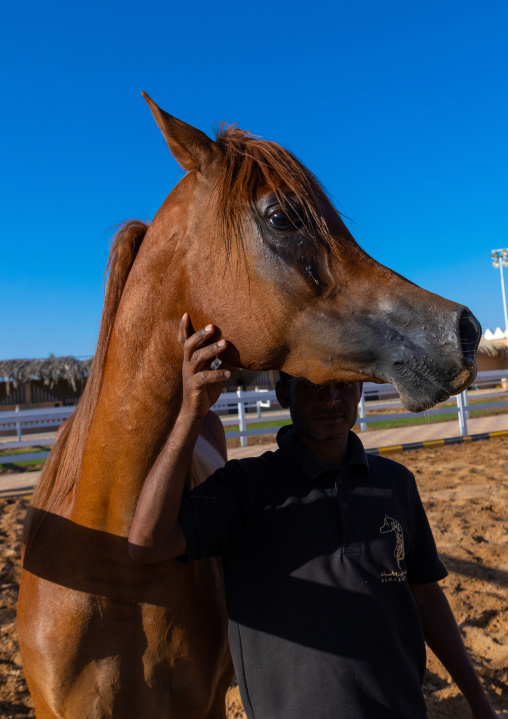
(201, 384)
(155, 534)
(443, 637)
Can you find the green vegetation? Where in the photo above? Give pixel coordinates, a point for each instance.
(259, 425)
(391, 423)
(411, 421)
(29, 466)
(25, 450)
(32, 465)
(431, 419)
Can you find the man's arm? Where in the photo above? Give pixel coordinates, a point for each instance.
(443, 637)
(155, 533)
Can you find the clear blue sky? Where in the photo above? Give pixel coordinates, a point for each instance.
(400, 108)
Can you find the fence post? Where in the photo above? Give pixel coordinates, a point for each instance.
(18, 425)
(241, 417)
(258, 404)
(461, 404)
(466, 402)
(361, 410)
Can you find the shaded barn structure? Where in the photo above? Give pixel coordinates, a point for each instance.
(40, 383)
(60, 381)
(492, 355)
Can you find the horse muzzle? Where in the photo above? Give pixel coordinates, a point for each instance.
(426, 373)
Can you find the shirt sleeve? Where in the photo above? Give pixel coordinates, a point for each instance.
(214, 515)
(422, 562)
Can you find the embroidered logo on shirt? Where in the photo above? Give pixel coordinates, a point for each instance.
(400, 574)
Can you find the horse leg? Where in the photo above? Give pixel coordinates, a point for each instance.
(42, 710)
(218, 706)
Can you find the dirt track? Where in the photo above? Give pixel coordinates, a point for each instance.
(465, 492)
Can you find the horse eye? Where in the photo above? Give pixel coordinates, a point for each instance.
(279, 219)
(283, 220)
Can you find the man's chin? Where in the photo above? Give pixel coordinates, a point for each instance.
(330, 438)
(327, 435)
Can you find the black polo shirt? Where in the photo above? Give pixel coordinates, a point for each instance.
(317, 567)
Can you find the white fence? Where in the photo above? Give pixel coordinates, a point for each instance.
(250, 407)
(35, 419)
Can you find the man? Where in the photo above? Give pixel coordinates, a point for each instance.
(330, 567)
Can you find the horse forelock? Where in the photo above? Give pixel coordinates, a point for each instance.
(61, 471)
(249, 163)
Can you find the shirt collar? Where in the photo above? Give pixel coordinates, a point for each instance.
(311, 466)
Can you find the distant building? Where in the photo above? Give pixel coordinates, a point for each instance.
(38, 383)
(497, 335)
(493, 351)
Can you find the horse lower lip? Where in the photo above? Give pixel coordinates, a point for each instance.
(405, 369)
(427, 388)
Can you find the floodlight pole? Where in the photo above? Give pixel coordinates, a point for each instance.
(500, 258)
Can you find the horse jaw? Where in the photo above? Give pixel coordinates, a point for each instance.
(390, 347)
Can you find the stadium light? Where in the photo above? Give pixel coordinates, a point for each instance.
(500, 259)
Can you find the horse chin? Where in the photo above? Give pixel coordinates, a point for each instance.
(417, 392)
(416, 400)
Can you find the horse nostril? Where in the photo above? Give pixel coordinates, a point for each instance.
(470, 332)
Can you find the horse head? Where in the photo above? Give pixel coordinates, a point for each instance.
(269, 260)
(387, 525)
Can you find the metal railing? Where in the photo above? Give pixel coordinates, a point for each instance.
(255, 406)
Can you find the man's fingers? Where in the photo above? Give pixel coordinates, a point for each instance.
(183, 329)
(207, 354)
(228, 368)
(199, 357)
(209, 376)
(196, 340)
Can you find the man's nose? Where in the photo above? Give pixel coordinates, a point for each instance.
(331, 394)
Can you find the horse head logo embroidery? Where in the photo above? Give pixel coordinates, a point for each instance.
(391, 525)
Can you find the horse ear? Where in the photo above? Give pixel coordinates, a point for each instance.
(190, 147)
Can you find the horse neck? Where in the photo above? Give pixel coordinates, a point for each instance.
(141, 387)
(139, 398)
(137, 407)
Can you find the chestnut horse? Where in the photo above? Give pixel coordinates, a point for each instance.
(249, 241)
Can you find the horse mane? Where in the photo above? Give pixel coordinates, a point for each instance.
(249, 162)
(62, 468)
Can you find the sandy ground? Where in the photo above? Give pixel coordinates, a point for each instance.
(465, 491)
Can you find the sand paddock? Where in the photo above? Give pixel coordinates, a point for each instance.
(465, 492)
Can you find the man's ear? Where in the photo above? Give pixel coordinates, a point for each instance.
(280, 391)
(190, 147)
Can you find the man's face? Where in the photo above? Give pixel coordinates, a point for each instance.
(323, 412)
